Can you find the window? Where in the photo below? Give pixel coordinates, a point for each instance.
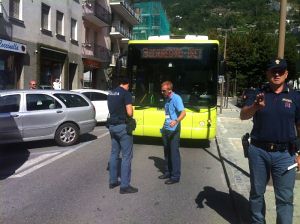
(59, 23)
(73, 29)
(95, 96)
(45, 17)
(15, 9)
(10, 103)
(72, 100)
(41, 102)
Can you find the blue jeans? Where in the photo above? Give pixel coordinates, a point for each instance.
(121, 142)
(171, 141)
(262, 164)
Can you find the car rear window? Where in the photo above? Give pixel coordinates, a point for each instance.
(72, 100)
(10, 103)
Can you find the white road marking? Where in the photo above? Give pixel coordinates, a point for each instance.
(101, 136)
(36, 160)
(30, 164)
(100, 129)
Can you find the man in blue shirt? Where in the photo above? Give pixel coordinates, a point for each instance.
(276, 118)
(119, 103)
(174, 113)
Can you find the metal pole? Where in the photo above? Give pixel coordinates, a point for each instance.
(227, 90)
(227, 76)
(221, 101)
(225, 45)
(281, 42)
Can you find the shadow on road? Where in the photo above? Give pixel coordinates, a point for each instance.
(229, 162)
(158, 163)
(12, 157)
(185, 143)
(87, 138)
(221, 202)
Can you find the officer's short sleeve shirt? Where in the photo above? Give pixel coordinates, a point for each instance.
(276, 121)
(117, 100)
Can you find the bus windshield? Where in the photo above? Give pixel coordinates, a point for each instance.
(192, 68)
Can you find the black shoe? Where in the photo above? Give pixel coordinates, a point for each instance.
(128, 190)
(171, 181)
(111, 186)
(164, 176)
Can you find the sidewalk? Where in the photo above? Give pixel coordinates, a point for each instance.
(230, 130)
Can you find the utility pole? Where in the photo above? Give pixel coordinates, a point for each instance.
(281, 42)
(227, 76)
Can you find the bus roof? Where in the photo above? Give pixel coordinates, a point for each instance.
(174, 41)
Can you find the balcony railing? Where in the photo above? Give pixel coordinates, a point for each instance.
(97, 51)
(128, 7)
(97, 10)
(122, 30)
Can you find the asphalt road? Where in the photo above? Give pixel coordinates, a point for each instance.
(43, 183)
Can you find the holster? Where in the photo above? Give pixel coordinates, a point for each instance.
(246, 144)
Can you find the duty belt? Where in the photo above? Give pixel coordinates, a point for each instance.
(270, 146)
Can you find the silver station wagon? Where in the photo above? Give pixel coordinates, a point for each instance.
(27, 115)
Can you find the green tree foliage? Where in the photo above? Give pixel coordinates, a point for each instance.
(253, 41)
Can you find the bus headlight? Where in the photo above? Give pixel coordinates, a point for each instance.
(202, 123)
(208, 123)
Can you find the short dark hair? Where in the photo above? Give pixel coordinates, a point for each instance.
(123, 80)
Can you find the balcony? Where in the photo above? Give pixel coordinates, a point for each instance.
(124, 9)
(120, 32)
(95, 13)
(95, 51)
(115, 58)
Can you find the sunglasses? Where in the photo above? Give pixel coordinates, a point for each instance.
(278, 72)
(164, 90)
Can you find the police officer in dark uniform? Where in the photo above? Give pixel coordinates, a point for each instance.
(119, 103)
(276, 118)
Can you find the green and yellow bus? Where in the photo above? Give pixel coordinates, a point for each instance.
(191, 63)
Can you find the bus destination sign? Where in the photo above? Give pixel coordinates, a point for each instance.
(172, 53)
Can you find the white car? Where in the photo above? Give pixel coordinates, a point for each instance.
(99, 100)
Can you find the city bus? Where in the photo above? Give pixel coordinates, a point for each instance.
(191, 64)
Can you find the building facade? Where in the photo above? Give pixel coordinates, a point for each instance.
(124, 17)
(96, 54)
(49, 32)
(74, 41)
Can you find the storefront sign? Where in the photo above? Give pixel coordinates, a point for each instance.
(12, 46)
(91, 63)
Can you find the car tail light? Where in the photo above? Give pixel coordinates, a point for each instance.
(94, 109)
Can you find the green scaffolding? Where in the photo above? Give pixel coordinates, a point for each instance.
(154, 21)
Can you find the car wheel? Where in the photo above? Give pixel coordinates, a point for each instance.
(67, 134)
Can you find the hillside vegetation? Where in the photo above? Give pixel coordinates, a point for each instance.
(252, 33)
